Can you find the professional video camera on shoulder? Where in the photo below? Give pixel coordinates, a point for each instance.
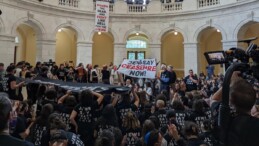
(238, 55)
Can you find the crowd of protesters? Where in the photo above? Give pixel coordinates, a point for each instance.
(166, 111)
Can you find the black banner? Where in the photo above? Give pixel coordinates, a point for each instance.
(76, 87)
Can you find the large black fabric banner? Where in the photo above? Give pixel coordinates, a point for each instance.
(76, 87)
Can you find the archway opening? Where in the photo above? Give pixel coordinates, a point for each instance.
(66, 46)
(209, 39)
(137, 46)
(103, 48)
(249, 30)
(172, 51)
(26, 47)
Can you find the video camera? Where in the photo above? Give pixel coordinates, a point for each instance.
(238, 55)
(49, 64)
(235, 59)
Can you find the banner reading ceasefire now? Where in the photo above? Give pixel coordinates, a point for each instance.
(145, 68)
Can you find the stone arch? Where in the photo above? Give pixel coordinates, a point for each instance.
(135, 30)
(110, 31)
(199, 31)
(35, 24)
(242, 24)
(79, 32)
(168, 29)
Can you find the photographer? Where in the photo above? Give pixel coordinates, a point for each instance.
(244, 128)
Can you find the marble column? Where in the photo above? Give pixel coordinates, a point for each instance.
(46, 50)
(155, 52)
(84, 52)
(120, 52)
(191, 58)
(7, 44)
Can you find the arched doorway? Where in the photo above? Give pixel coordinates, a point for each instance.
(209, 39)
(66, 46)
(172, 51)
(26, 47)
(103, 48)
(137, 46)
(249, 30)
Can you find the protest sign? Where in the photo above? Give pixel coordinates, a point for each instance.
(102, 16)
(145, 68)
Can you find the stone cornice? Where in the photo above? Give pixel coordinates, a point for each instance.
(48, 9)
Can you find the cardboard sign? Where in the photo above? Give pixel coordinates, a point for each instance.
(145, 68)
(102, 16)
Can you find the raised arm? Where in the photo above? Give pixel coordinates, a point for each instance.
(99, 97)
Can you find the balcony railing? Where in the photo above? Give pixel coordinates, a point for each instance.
(134, 8)
(172, 7)
(70, 3)
(206, 3)
(111, 7)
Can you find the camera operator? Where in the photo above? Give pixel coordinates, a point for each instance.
(243, 129)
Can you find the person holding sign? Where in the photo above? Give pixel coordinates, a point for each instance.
(165, 80)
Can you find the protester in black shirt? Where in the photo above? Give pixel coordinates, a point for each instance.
(10, 85)
(108, 120)
(44, 72)
(66, 105)
(191, 81)
(161, 114)
(70, 76)
(207, 135)
(37, 69)
(21, 131)
(84, 112)
(131, 129)
(180, 112)
(61, 73)
(5, 118)
(173, 74)
(105, 75)
(55, 124)
(165, 80)
(197, 115)
(40, 125)
(124, 106)
(191, 132)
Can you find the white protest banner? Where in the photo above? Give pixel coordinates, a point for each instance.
(145, 68)
(102, 16)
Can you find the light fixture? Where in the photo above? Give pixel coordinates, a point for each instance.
(175, 33)
(60, 30)
(137, 33)
(218, 30)
(99, 33)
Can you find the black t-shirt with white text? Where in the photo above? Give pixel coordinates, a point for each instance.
(85, 115)
(161, 115)
(132, 136)
(122, 109)
(190, 85)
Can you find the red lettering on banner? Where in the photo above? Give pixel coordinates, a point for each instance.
(154, 68)
(145, 67)
(149, 68)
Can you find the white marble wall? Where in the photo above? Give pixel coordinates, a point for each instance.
(46, 20)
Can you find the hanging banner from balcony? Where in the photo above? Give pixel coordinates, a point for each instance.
(144, 68)
(102, 16)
